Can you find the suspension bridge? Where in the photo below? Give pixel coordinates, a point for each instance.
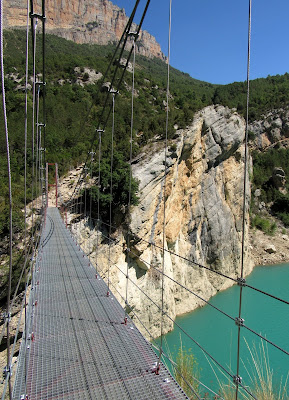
(81, 344)
(78, 341)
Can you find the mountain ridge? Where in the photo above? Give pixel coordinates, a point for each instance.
(94, 22)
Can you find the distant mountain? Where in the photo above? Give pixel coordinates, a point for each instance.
(82, 21)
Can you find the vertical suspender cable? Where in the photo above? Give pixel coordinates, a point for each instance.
(84, 186)
(237, 377)
(130, 170)
(8, 370)
(80, 206)
(33, 120)
(37, 145)
(111, 192)
(103, 121)
(128, 25)
(25, 188)
(98, 198)
(40, 167)
(43, 77)
(92, 153)
(164, 185)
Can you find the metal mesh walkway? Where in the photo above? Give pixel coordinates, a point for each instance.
(77, 346)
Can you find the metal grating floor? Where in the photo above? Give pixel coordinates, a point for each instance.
(77, 346)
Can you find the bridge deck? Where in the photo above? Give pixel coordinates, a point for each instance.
(80, 348)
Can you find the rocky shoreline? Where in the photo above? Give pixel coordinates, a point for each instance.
(269, 250)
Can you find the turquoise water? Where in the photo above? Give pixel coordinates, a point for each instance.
(218, 334)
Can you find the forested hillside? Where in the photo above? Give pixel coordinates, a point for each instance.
(73, 104)
(75, 93)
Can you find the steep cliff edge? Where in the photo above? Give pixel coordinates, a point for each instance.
(203, 222)
(82, 21)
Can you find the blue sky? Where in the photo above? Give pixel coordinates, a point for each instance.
(209, 37)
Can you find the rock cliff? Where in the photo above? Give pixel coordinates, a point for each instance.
(203, 221)
(83, 21)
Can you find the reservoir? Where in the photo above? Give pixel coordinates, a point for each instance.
(217, 333)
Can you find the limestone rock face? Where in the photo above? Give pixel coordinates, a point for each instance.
(202, 219)
(272, 129)
(83, 21)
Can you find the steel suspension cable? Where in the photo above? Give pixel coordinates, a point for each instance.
(92, 154)
(164, 186)
(98, 198)
(193, 293)
(196, 295)
(37, 144)
(224, 369)
(150, 265)
(43, 78)
(34, 30)
(130, 171)
(25, 184)
(8, 367)
(156, 347)
(104, 123)
(237, 378)
(111, 191)
(194, 263)
(126, 30)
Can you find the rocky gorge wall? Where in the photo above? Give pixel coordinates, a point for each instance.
(82, 21)
(203, 221)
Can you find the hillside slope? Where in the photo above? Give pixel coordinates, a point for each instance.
(74, 98)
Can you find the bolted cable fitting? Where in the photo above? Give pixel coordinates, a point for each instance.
(131, 33)
(237, 379)
(7, 317)
(113, 91)
(241, 281)
(34, 15)
(6, 372)
(239, 321)
(92, 154)
(156, 368)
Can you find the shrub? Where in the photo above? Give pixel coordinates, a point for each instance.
(263, 224)
(187, 372)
